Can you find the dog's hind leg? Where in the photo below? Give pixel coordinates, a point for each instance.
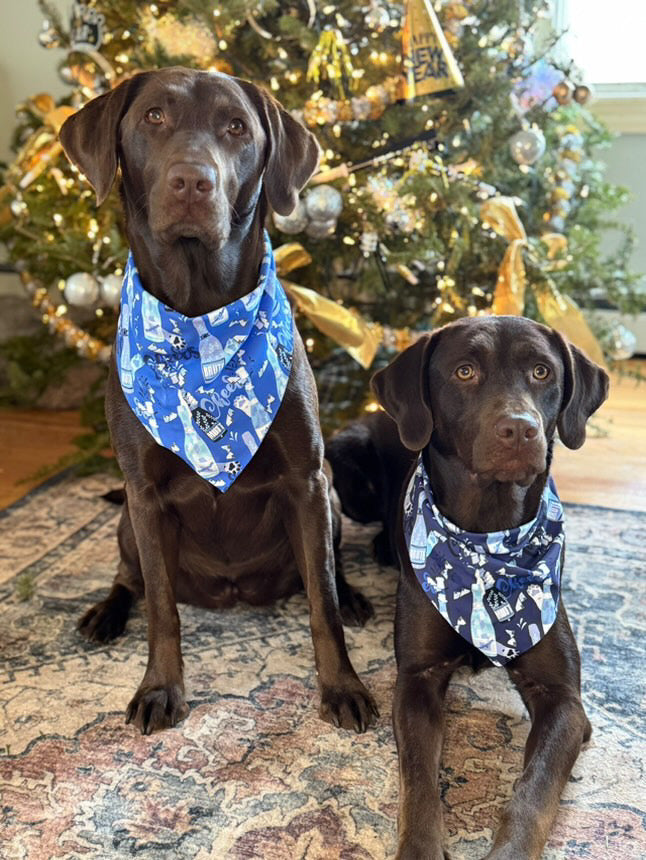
(548, 679)
(107, 619)
(355, 609)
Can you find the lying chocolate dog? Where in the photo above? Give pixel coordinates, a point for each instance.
(201, 155)
(480, 542)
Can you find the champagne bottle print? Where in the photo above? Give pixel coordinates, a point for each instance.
(211, 351)
(417, 549)
(152, 318)
(548, 609)
(196, 450)
(483, 634)
(206, 421)
(125, 369)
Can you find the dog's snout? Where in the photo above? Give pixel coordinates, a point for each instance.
(516, 430)
(191, 181)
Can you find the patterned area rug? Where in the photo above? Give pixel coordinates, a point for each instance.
(252, 772)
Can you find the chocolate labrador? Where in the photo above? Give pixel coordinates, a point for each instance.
(472, 410)
(201, 157)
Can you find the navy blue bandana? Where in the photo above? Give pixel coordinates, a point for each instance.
(498, 590)
(207, 387)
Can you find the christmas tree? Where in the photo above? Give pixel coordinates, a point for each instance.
(457, 174)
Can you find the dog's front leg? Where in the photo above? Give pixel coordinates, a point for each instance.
(418, 721)
(548, 679)
(159, 702)
(344, 699)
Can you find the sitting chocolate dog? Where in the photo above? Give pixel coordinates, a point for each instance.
(212, 516)
(479, 535)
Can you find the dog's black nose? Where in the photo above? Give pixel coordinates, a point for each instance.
(191, 181)
(516, 430)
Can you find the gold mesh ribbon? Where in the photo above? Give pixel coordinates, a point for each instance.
(560, 312)
(509, 296)
(347, 327)
(42, 147)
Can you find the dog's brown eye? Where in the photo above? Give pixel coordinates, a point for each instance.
(465, 371)
(155, 116)
(541, 371)
(237, 127)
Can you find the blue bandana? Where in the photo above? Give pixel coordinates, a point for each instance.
(498, 590)
(207, 387)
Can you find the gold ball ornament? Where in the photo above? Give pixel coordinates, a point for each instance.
(562, 93)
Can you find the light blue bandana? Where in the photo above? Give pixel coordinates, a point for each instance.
(498, 590)
(207, 387)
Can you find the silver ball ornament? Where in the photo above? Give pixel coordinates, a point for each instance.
(111, 290)
(81, 289)
(323, 203)
(527, 146)
(18, 207)
(295, 222)
(378, 18)
(622, 342)
(321, 229)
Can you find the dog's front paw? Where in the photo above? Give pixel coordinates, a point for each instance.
(156, 708)
(348, 705)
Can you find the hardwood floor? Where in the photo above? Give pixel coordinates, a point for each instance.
(610, 469)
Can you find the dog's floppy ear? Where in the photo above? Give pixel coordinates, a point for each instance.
(402, 390)
(585, 387)
(90, 137)
(292, 151)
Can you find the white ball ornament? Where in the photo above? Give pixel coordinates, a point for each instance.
(293, 223)
(527, 146)
(111, 290)
(81, 289)
(323, 203)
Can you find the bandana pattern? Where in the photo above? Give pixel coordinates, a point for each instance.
(207, 387)
(498, 590)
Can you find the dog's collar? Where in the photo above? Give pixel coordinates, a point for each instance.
(498, 590)
(207, 387)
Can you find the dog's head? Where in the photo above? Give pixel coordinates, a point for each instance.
(492, 391)
(194, 148)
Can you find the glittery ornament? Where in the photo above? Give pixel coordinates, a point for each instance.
(293, 223)
(81, 289)
(562, 93)
(527, 146)
(111, 290)
(323, 203)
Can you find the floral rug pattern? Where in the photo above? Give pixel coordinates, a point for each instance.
(252, 772)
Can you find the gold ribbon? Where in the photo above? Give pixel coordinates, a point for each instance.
(42, 147)
(560, 312)
(347, 327)
(500, 214)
